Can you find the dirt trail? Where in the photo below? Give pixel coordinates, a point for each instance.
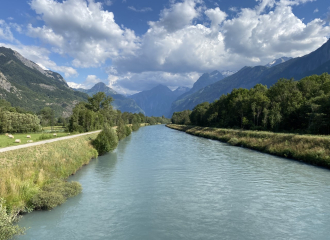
(6, 149)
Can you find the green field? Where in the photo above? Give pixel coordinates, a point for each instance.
(5, 141)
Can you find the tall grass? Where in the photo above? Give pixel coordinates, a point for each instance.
(310, 149)
(25, 173)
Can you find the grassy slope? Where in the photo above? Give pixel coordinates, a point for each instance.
(23, 173)
(306, 148)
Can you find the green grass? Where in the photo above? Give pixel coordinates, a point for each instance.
(312, 149)
(5, 141)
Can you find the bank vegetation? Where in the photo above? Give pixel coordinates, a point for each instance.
(310, 149)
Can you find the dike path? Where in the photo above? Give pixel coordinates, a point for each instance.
(6, 149)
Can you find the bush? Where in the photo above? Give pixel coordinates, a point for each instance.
(233, 141)
(128, 130)
(7, 227)
(54, 194)
(45, 136)
(135, 126)
(106, 141)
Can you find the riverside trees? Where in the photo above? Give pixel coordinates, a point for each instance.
(288, 105)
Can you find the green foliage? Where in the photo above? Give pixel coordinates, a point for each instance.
(287, 106)
(54, 194)
(128, 130)
(181, 117)
(7, 227)
(106, 141)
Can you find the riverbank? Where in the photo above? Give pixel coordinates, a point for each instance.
(25, 171)
(310, 149)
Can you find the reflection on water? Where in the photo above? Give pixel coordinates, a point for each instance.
(165, 184)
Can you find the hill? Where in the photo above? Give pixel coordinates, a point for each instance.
(25, 84)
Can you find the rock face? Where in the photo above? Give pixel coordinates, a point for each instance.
(278, 61)
(156, 101)
(316, 62)
(120, 102)
(25, 84)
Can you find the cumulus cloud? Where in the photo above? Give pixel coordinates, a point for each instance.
(177, 45)
(177, 16)
(90, 81)
(83, 30)
(255, 36)
(135, 82)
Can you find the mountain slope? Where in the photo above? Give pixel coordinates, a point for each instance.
(23, 83)
(120, 102)
(156, 101)
(277, 61)
(316, 62)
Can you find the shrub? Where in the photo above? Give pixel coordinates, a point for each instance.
(135, 126)
(45, 136)
(233, 141)
(106, 141)
(7, 227)
(128, 130)
(54, 194)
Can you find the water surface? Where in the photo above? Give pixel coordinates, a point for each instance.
(165, 184)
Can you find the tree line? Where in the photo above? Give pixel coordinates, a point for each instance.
(86, 116)
(287, 106)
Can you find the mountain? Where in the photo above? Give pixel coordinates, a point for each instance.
(278, 61)
(156, 101)
(180, 90)
(120, 102)
(205, 80)
(25, 84)
(316, 62)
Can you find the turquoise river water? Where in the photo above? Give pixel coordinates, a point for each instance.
(165, 184)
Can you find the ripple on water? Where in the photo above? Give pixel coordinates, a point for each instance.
(165, 184)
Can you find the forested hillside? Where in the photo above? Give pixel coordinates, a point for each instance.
(23, 83)
(292, 106)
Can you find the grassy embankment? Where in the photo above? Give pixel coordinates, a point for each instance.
(310, 149)
(34, 178)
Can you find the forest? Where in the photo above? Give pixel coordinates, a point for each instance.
(287, 106)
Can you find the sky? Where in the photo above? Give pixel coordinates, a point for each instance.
(134, 45)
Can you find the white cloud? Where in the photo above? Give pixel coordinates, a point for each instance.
(134, 82)
(90, 81)
(176, 46)
(82, 30)
(147, 9)
(5, 32)
(316, 10)
(178, 16)
(108, 2)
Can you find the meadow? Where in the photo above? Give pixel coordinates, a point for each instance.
(5, 141)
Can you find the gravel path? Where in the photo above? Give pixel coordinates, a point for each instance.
(6, 149)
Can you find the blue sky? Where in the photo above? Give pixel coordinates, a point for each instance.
(135, 45)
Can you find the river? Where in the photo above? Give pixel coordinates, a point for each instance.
(165, 184)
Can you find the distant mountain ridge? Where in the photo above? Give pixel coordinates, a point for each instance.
(120, 102)
(25, 84)
(157, 101)
(278, 61)
(316, 62)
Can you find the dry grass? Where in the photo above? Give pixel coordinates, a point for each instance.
(311, 149)
(24, 172)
